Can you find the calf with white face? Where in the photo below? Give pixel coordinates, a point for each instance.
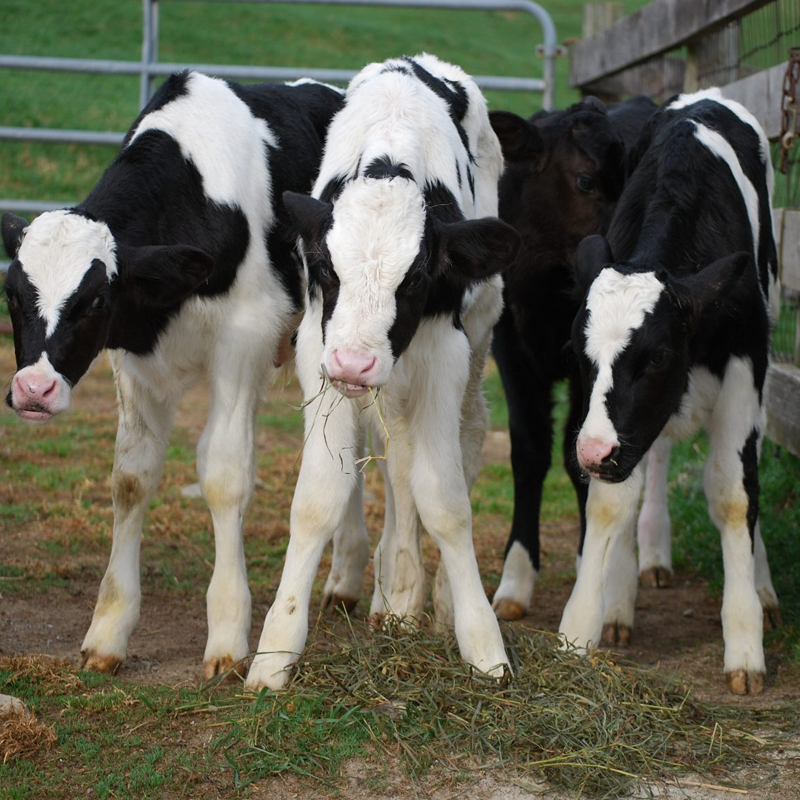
(673, 335)
(402, 296)
(178, 263)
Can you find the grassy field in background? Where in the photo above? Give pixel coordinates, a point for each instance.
(228, 33)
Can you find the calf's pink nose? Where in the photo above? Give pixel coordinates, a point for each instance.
(41, 388)
(350, 366)
(591, 452)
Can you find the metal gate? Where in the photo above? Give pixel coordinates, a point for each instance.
(149, 68)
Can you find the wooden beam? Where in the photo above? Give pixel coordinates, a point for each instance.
(659, 79)
(654, 29)
(783, 409)
(786, 223)
(761, 93)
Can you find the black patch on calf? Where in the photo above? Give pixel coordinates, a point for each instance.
(401, 68)
(299, 116)
(749, 456)
(173, 88)
(453, 94)
(333, 188)
(29, 327)
(83, 325)
(152, 195)
(13, 230)
(383, 168)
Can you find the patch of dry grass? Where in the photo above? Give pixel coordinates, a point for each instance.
(21, 736)
(591, 724)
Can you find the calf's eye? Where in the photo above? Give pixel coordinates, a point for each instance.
(585, 183)
(658, 359)
(98, 304)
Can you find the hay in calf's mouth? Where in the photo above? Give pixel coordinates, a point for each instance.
(590, 724)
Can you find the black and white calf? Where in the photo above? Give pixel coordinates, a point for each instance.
(178, 261)
(673, 335)
(401, 255)
(564, 174)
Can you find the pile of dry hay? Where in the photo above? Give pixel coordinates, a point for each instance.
(21, 735)
(591, 724)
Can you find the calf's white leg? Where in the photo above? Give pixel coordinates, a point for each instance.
(653, 526)
(384, 557)
(144, 424)
(605, 590)
(226, 467)
(731, 484)
(350, 555)
(404, 593)
(442, 499)
(327, 480)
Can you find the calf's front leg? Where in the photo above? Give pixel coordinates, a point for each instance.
(142, 434)
(327, 480)
(604, 594)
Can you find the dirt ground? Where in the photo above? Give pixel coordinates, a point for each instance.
(677, 629)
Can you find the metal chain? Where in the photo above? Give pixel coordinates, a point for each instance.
(789, 108)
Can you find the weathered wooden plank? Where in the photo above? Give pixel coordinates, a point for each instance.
(782, 397)
(655, 28)
(659, 78)
(761, 94)
(786, 223)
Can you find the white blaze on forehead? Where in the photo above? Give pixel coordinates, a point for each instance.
(57, 250)
(378, 227)
(617, 306)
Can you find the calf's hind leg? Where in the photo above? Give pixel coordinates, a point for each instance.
(144, 424)
(732, 490)
(226, 467)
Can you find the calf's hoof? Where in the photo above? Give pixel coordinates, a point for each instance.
(337, 602)
(508, 609)
(270, 671)
(772, 617)
(616, 634)
(234, 667)
(656, 577)
(742, 681)
(99, 663)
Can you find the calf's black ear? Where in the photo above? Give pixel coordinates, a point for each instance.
(13, 229)
(592, 254)
(475, 249)
(163, 276)
(721, 287)
(520, 139)
(309, 217)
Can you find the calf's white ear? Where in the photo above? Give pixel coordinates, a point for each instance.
(308, 215)
(13, 231)
(592, 254)
(519, 139)
(475, 249)
(720, 287)
(163, 276)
